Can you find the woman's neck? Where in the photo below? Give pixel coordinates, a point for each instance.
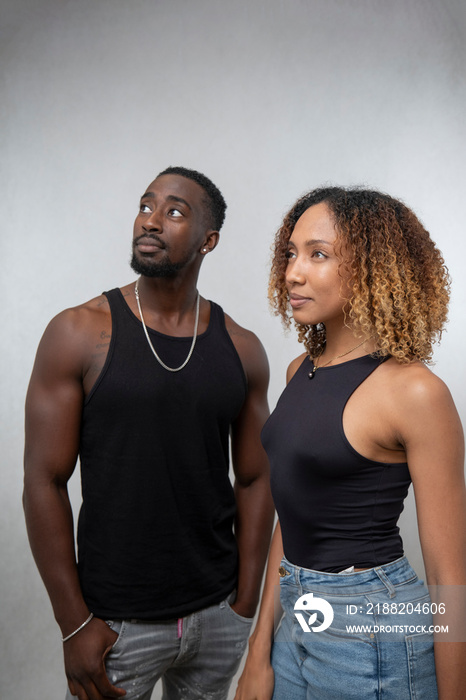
(343, 346)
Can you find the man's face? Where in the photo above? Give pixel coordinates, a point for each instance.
(170, 227)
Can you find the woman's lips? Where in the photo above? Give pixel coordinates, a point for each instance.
(297, 301)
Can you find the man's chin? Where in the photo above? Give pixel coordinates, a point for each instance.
(149, 268)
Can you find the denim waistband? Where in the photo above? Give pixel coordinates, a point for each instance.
(386, 576)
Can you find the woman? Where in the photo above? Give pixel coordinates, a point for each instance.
(361, 417)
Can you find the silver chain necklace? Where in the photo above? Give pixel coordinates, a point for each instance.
(196, 324)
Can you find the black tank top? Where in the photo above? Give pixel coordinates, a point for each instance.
(336, 508)
(155, 534)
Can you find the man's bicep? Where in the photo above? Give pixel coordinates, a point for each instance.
(249, 458)
(53, 407)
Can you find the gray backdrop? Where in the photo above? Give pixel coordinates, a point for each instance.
(268, 98)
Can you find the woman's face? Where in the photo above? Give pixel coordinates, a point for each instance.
(317, 283)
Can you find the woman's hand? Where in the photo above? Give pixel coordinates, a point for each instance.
(257, 680)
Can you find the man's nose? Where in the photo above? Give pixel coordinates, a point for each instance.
(153, 222)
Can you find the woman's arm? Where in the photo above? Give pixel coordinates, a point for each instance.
(431, 432)
(256, 681)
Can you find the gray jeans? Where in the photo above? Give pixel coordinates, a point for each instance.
(195, 657)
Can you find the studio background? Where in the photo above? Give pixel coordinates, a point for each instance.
(269, 99)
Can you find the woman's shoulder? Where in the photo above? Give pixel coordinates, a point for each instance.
(413, 386)
(294, 366)
(416, 405)
(412, 376)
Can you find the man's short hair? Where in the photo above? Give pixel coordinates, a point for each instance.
(215, 203)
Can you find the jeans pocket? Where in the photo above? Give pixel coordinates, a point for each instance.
(118, 626)
(421, 666)
(240, 618)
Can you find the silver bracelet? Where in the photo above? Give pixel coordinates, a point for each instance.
(65, 639)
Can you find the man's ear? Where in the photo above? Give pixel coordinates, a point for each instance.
(210, 242)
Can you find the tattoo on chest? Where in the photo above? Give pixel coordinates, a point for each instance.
(238, 332)
(105, 338)
(97, 360)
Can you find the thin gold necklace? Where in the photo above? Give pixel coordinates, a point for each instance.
(196, 324)
(316, 366)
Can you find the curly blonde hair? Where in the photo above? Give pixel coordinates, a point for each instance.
(400, 284)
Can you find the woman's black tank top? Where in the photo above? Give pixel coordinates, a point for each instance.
(336, 508)
(155, 532)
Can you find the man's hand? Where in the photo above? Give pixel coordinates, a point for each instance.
(84, 662)
(244, 608)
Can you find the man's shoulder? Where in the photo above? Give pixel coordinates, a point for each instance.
(78, 325)
(236, 331)
(250, 350)
(82, 315)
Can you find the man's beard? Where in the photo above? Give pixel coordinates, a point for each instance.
(150, 268)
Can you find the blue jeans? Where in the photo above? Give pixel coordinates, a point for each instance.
(195, 657)
(389, 657)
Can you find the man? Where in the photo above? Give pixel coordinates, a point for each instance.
(146, 384)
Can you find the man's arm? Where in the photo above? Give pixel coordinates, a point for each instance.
(53, 419)
(255, 511)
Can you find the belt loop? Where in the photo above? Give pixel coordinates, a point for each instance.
(386, 581)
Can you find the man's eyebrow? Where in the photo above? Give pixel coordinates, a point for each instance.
(173, 198)
(169, 198)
